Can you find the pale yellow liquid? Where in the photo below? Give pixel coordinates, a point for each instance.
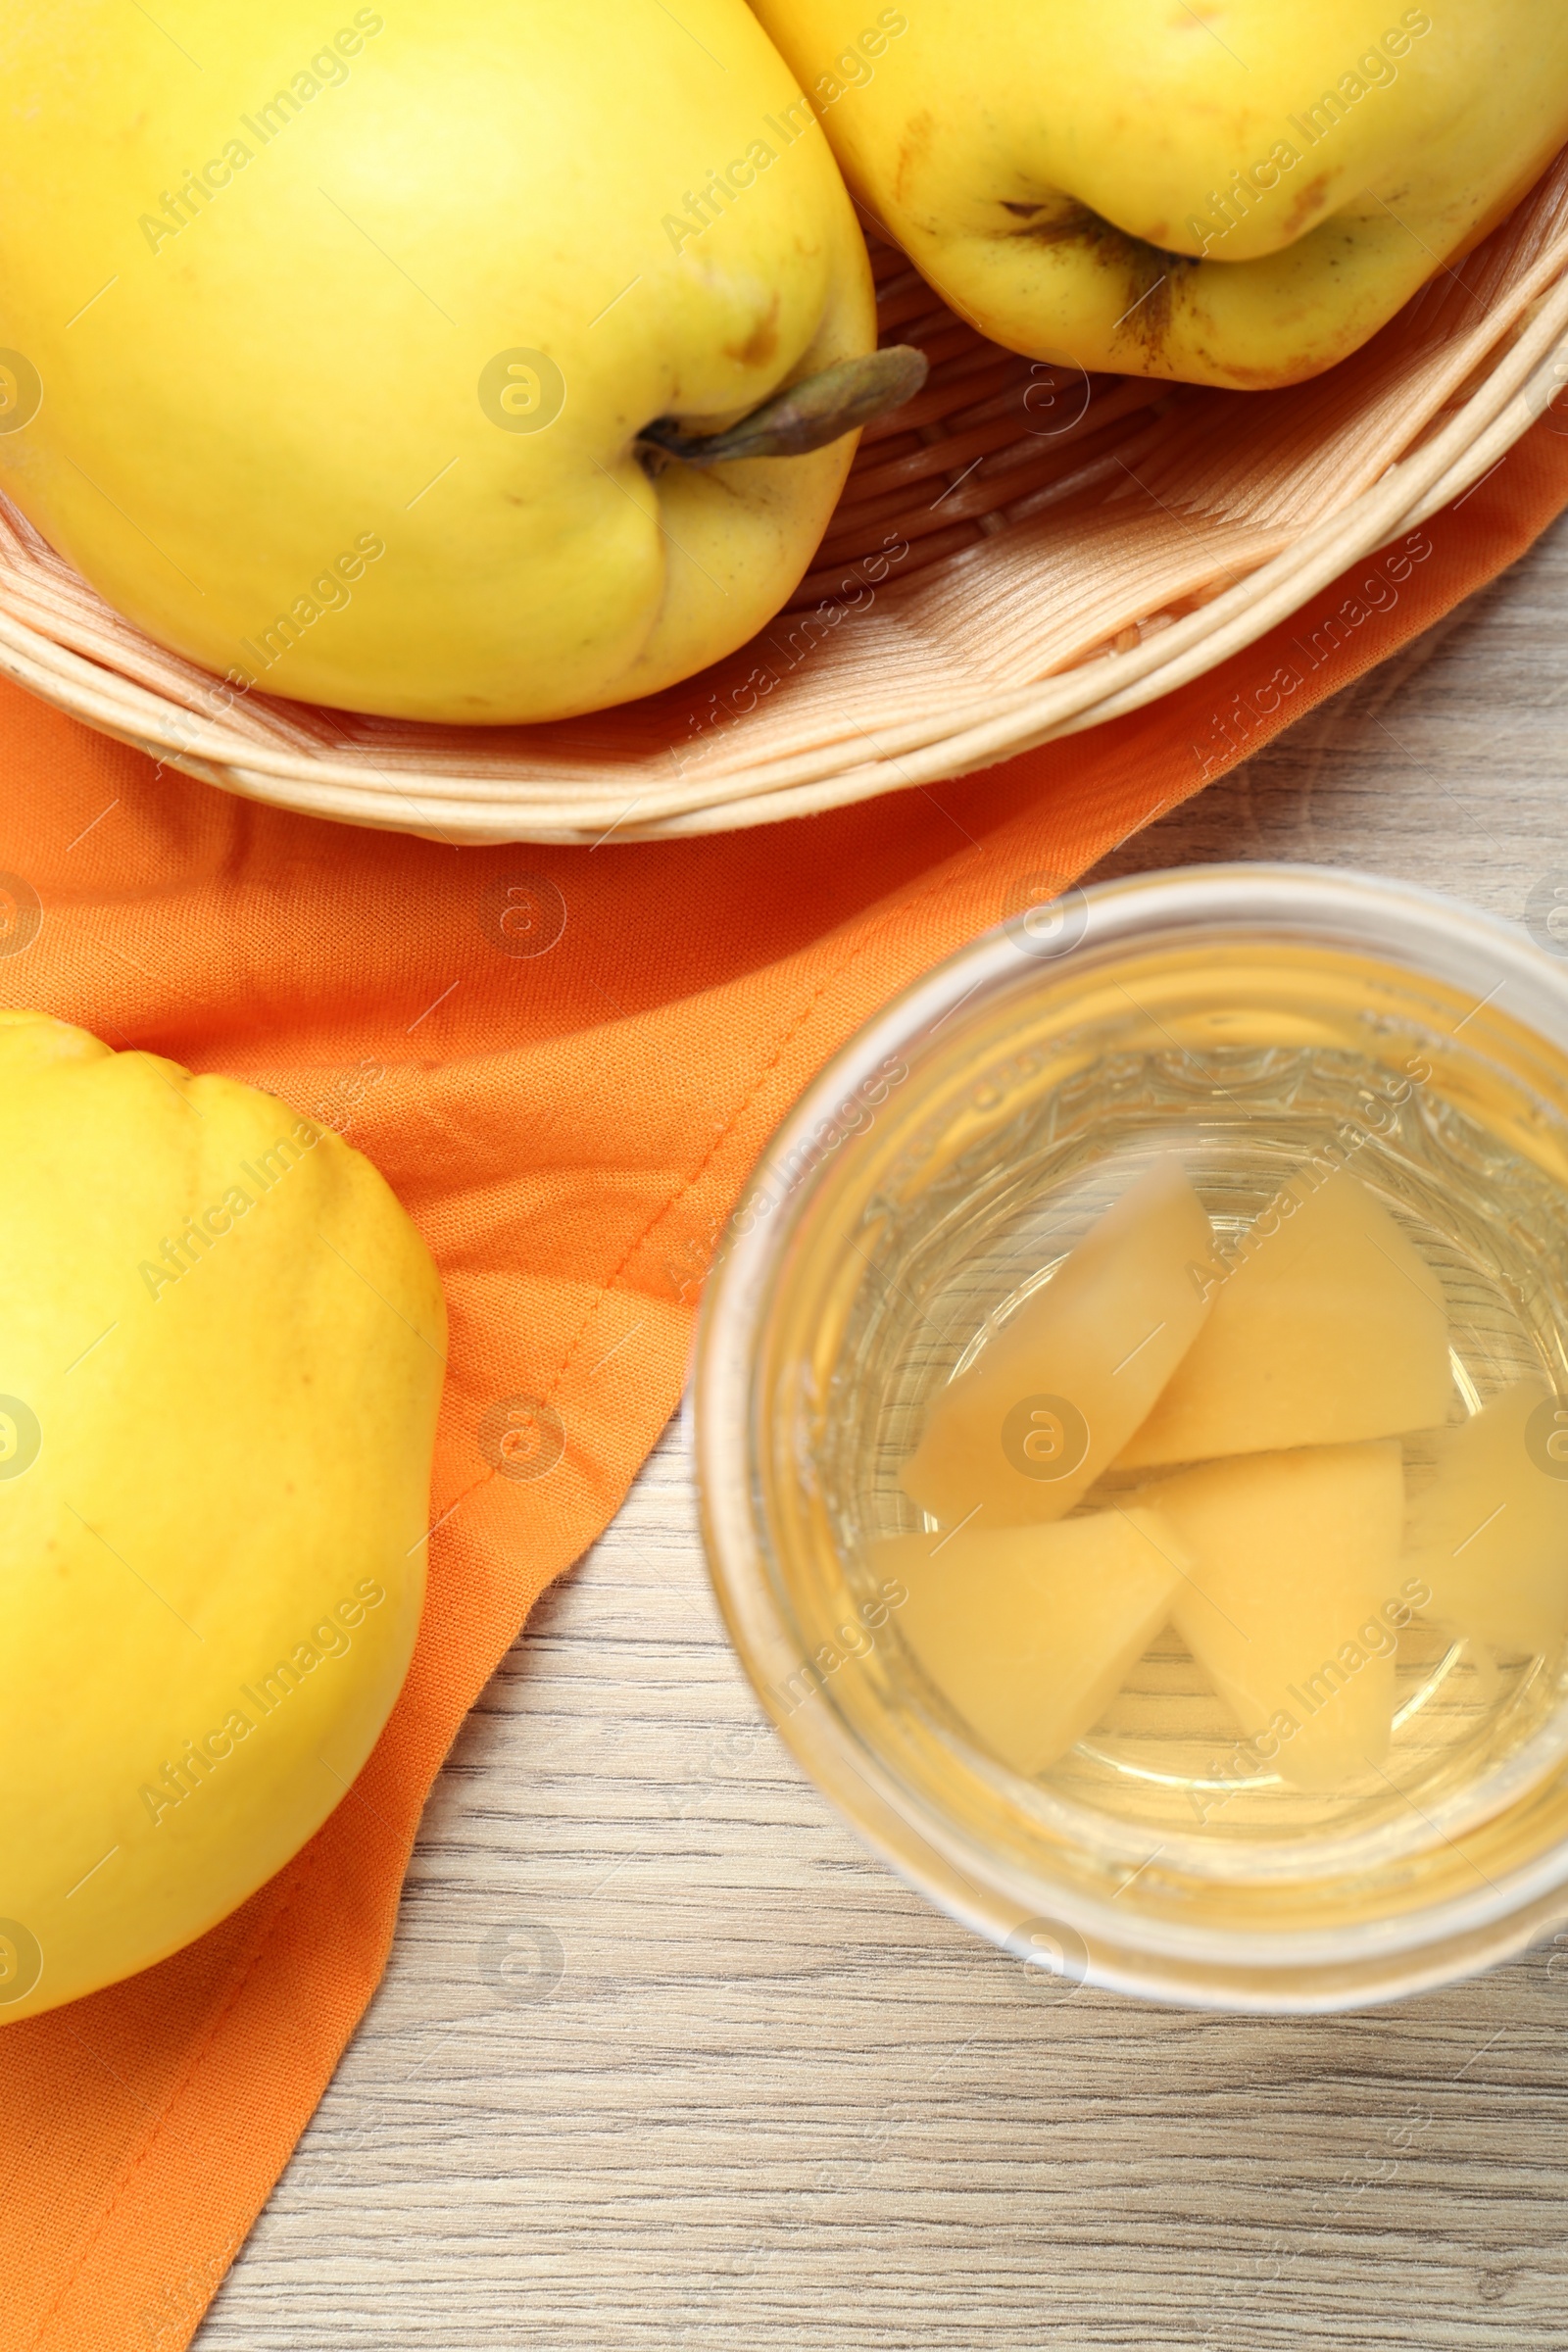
(962, 1244)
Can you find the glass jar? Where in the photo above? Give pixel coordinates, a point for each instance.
(933, 1177)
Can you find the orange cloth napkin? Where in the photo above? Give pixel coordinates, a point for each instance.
(569, 1127)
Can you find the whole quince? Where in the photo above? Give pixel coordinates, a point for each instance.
(331, 344)
(219, 1365)
(1233, 192)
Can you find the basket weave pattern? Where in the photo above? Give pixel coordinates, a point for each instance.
(1020, 552)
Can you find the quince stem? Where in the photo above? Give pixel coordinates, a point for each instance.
(805, 415)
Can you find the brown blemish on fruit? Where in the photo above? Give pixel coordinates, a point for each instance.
(1308, 201)
(1151, 277)
(1251, 379)
(913, 147)
(760, 344)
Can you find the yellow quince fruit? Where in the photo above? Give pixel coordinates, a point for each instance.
(221, 1360)
(363, 358)
(1233, 192)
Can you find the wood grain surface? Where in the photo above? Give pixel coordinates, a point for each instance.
(664, 2058)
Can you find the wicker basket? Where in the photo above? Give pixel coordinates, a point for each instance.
(1018, 553)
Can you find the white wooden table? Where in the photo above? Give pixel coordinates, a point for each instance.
(665, 2058)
